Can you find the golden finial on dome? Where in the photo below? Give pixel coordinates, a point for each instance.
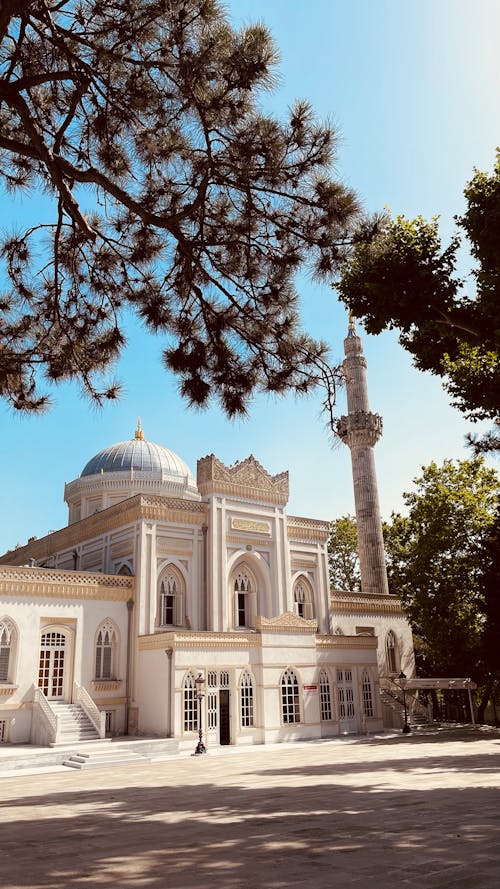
(139, 434)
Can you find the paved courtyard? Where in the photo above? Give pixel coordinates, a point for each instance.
(420, 811)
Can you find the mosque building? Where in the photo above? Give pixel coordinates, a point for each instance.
(161, 579)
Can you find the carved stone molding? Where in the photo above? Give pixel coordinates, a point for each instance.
(55, 584)
(106, 684)
(285, 623)
(310, 530)
(6, 688)
(360, 428)
(199, 639)
(348, 642)
(364, 603)
(246, 478)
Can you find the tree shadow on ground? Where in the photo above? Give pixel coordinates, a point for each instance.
(183, 826)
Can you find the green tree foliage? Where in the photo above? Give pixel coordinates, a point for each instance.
(406, 279)
(438, 567)
(173, 196)
(343, 556)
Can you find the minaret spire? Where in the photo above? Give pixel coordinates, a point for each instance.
(361, 430)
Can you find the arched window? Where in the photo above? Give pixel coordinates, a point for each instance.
(125, 570)
(106, 651)
(303, 599)
(170, 599)
(367, 694)
(290, 707)
(246, 700)
(391, 651)
(8, 639)
(244, 591)
(190, 704)
(325, 697)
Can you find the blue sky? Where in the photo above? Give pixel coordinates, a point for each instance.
(413, 88)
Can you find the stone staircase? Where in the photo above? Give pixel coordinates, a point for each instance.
(73, 724)
(393, 710)
(100, 759)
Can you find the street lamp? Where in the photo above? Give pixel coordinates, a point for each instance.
(402, 683)
(200, 747)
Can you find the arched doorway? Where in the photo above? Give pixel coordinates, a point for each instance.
(54, 663)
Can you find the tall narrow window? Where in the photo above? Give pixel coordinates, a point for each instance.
(391, 652)
(170, 598)
(106, 651)
(7, 642)
(290, 708)
(242, 590)
(325, 697)
(367, 695)
(190, 704)
(303, 599)
(246, 700)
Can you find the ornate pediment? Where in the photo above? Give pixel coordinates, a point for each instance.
(246, 478)
(287, 622)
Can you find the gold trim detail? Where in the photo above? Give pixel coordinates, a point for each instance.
(251, 525)
(285, 623)
(198, 640)
(365, 603)
(55, 584)
(351, 642)
(106, 684)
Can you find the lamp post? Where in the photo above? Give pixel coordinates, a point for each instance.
(200, 747)
(402, 683)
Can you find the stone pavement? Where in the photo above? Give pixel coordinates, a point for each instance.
(420, 810)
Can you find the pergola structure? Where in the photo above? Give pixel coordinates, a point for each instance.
(443, 684)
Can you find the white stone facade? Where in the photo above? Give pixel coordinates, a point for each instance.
(135, 598)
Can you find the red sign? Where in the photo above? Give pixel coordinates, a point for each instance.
(310, 687)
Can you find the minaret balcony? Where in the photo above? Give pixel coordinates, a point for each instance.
(361, 428)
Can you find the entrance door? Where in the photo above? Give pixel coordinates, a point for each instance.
(345, 693)
(53, 647)
(224, 729)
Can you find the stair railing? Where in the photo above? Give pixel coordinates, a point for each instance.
(415, 707)
(90, 708)
(44, 725)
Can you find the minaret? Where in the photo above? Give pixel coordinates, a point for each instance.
(361, 430)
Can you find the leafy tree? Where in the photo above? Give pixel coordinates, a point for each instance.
(343, 554)
(406, 279)
(173, 196)
(437, 565)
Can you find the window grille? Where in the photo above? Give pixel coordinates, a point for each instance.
(190, 705)
(212, 679)
(246, 700)
(242, 587)
(212, 710)
(325, 698)
(367, 695)
(290, 708)
(224, 679)
(3, 731)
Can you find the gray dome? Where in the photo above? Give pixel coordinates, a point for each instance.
(139, 455)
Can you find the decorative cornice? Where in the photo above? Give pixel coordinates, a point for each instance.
(106, 684)
(198, 639)
(347, 642)
(246, 478)
(53, 583)
(134, 509)
(310, 530)
(284, 623)
(365, 603)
